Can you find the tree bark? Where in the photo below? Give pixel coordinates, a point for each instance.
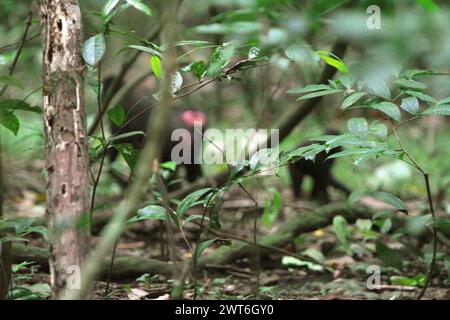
(5, 248)
(67, 161)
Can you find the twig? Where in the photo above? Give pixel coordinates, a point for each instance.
(166, 202)
(111, 266)
(199, 239)
(19, 51)
(102, 161)
(255, 240)
(19, 42)
(433, 216)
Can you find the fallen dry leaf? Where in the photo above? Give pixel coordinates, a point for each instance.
(163, 297)
(137, 294)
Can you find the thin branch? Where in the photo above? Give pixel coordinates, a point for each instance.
(19, 42)
(199, 239)
(19, 51)
(429, 276)
(255, 240)
(110, 270)
(166, 202)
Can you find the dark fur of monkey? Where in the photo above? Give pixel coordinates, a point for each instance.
(320, 170)
(139, 100)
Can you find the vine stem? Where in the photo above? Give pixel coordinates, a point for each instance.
(199, 239)
(111, 266)
(255, 241)
(433, 216)
(433, 221)
(102, 161)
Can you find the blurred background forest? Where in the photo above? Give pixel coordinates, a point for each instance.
(413, 35)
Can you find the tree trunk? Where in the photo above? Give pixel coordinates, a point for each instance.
(5, 247)
(67, 161)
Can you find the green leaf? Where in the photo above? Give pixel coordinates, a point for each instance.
(309, 88)
(151, 212)
(306, 151)
(443, 101)
(352, 152)
(340, 228)
(191, 200)
(386, 226)
(94, 49)
(353, 198)
(195, 217)
(202, 246)
(292, 261)
(272, 208)
(213, 28)
(409, 74)
(389, 256)
(378, 129)
(117, 115)
(417, 281)
(156, 66)
(407, 83)
(441, 110)
(410, 105)
(350, 100)
(148, 50)
(219, 59)
(430, 5)
(137, 4)
(391, 200)
(176, 82)
(109, 7)
(380, 89)
(128, 152)
(387, 108)
(314, 254)
(169, 165)
(192, 43)
(357, 125)
(319, 94)
(364, 224)
(11, 81)
(2, 60)
(9, 121)
(263, 157)
(198, 69)
(347, 81)
(421, 96)
(124, 135)
(14, 104)
(253, 53)
(333, 61)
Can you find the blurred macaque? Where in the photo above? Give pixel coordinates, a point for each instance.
(320, 170)
(183, 126)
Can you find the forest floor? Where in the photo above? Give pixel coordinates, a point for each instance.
(344, 277)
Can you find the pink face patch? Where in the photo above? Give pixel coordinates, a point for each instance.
(192, 117)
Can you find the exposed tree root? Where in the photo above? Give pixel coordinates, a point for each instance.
(133, 266)
(125, 267)
(303, 223)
